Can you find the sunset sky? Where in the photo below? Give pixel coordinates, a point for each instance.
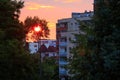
(52, 10)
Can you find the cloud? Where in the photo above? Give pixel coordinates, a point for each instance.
(66, 1)
(51, 24)
(36, 6)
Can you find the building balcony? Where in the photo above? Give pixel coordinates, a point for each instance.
(62, 43)
(58, 35)
(63, 54)
(62, 71)
(62, 28)
(63, 62)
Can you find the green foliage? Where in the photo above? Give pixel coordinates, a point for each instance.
(29, 25)
(79, 64)
(102, 49)
(50, 69)
(9, 12)
(9, 23)
(15, 62)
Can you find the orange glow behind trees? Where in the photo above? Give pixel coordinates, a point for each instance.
(36, 28)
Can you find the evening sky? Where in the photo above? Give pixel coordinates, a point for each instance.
(52, 10)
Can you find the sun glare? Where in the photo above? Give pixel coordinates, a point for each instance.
(37, 29)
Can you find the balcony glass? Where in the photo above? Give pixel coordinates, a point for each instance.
(64, 54)
(62, 71)
(62, 62)
(62, 44)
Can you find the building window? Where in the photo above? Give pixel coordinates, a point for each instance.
(75, 23)
(69, 39)
(63, 39)
(35, 45)
(70, 48)
(71, 23)
(36, 50)
(47, 55)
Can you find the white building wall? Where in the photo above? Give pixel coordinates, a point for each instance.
(33, 47)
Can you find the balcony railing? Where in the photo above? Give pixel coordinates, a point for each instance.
(63, 62)
(64, 54)
(62, 28)
(62, 71)
(62, 43)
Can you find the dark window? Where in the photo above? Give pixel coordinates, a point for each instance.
(35, 45)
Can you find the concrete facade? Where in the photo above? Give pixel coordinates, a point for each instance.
(65, 30)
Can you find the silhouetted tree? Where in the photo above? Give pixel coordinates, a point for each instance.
(15, 62)
(29, 25)
(102, 50)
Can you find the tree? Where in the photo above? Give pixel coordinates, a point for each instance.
(107, 38)
(10, 9)
(50, 69)
(80, 64)
(15, 62)
(102, 61)
(9, 23)
(29, 25)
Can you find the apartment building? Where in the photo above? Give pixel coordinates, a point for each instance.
(65, 30)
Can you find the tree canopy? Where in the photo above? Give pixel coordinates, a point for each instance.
(29, 25)
(102, 51)
(9, 23)
(15, 62)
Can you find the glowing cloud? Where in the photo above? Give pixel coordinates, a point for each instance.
(35, 6)
(51, 24)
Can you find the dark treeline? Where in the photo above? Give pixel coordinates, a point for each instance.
(97, 55)
(16, 63)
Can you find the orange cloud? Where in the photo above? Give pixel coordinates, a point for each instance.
(67, 1)
(51, 24)
(36, 6)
